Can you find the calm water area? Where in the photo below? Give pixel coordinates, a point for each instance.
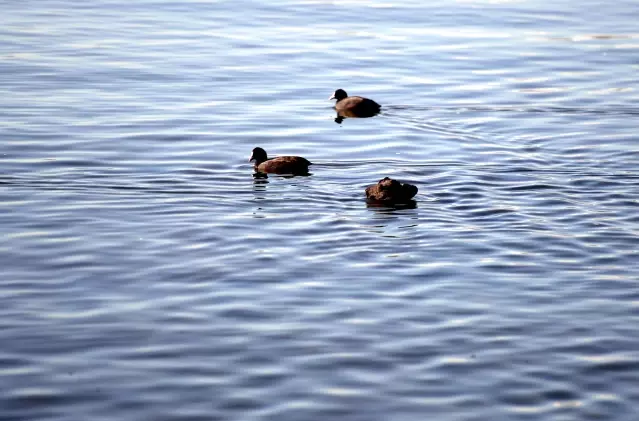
(145, 274)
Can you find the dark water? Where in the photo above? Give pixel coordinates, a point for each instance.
(146, 275)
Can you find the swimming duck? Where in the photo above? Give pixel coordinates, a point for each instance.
(354, 106)
(391, 191)
(281, 165)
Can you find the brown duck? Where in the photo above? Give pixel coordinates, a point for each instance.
(391, 191)
(295, 165)
(354, 106)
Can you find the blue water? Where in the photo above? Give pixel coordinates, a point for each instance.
(146, 275)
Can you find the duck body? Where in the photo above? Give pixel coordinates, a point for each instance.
(389, 191)
(354, 106)
(295, 165)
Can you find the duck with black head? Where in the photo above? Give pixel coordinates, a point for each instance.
(295, 165)
(354, 106)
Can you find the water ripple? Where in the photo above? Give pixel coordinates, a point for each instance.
(148, 275)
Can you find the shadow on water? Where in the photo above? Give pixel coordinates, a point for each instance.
(390, 208)
(260, 178)
(343, 115)
(263, 176)
(393, 221)
(260, 181)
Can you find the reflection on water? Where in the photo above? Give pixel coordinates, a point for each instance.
(260, 178)
(341, 115)
(384, 207)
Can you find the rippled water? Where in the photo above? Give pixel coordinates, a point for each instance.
(146, 275)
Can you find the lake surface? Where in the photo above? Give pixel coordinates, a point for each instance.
(147, 275)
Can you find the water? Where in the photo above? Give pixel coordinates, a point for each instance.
(146, 275)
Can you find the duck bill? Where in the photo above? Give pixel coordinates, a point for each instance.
(251, 158)
(331, 97)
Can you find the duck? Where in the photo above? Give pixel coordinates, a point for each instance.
(354, 106)
(389, 191)
(295, 165)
